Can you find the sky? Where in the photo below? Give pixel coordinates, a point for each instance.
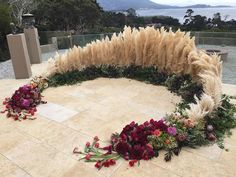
(191, 2)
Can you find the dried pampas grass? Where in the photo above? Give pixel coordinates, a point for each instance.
(203, 106)
(144, 47)
(168, 51)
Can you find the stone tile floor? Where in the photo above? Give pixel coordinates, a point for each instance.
(43, 147)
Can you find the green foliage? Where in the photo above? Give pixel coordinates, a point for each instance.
(67, 14)
(159, 142)
(5, 19)
(223, 119)
(166, 20)
(182, 85)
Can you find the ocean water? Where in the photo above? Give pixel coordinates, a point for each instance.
(179, 13)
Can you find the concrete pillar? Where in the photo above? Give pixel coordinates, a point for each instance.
(19, 56)
(32, 41)
(54, 42)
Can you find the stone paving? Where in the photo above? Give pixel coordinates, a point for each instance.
(43, 147)
(229, 66)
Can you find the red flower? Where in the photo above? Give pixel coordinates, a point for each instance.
(96, 139)
(98, 165)
(106, 163)
(132, 162)
(112, 162)
(87, 157)
(96, 145)
(16, 118)
(87, 144)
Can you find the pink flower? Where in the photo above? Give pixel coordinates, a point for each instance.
(172, 131)
(149, 145)
(157, 133)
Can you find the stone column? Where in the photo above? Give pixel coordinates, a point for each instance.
(54, 42)
(32, 41)
(19, 56)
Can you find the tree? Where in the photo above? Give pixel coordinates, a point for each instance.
(112, 19)
(67, 14)
(216, 21)
(131, 12)
(198, 23)
(166, 20)
(188, 17)
(20, 7)
(5, 19)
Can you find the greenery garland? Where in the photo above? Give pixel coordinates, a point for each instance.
(181, 85)
(222, 119)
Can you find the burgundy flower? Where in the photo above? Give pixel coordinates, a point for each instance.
(211, 137)
(161, 125)
(182, 137)
(108, 148)
(122, 148)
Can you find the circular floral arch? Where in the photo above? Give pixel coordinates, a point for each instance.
(146, 54)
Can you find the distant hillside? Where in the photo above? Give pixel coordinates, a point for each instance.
(203, 6)
(126, 4)
(143, 4)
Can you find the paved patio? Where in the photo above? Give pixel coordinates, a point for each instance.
(43, 147)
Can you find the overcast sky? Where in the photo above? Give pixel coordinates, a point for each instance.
(191, 2)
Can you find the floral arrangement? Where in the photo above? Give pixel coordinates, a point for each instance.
(171, 59)
(143, 142)
(22, 104)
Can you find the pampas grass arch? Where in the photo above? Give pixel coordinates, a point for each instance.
(170, 52)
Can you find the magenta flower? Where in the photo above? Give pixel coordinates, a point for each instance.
(25, 103)
(172, 131)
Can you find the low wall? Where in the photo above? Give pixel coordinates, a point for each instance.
(48, 48)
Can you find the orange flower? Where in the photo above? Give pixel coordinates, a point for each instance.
(167, 141)
(157, 133)
(33, 85)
